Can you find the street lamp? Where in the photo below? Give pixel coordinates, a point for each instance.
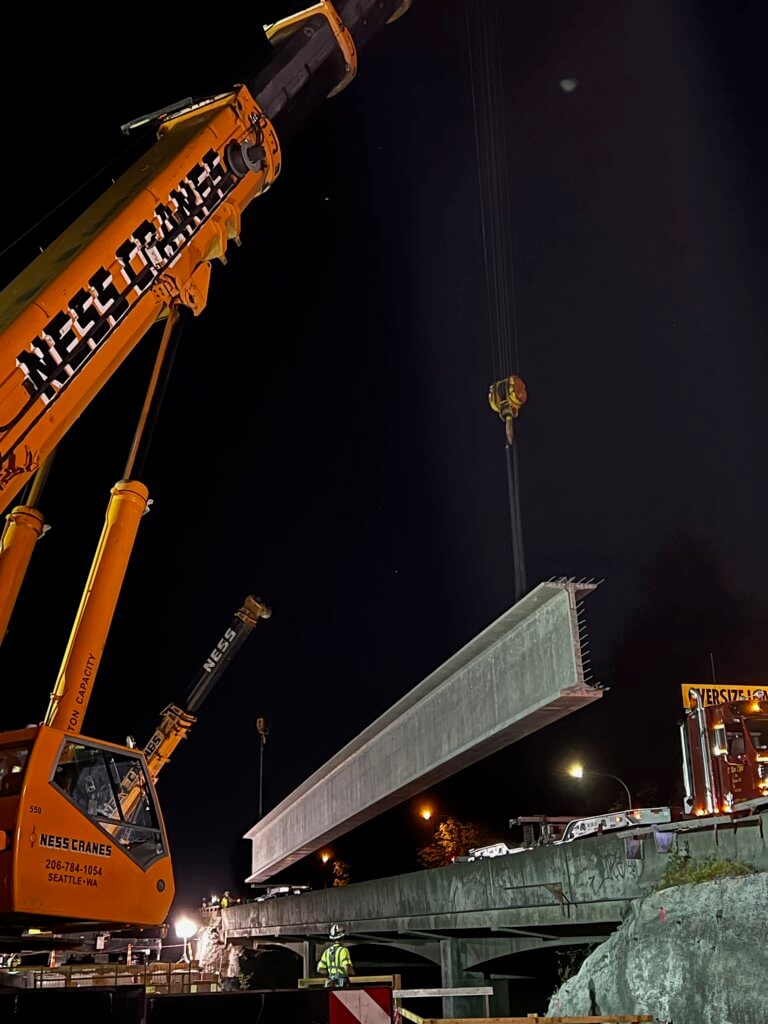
(263, 730)
(426, 813)
(578, 771)
(325, 857)
(185, 929)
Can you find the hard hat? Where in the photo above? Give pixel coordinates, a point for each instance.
(337, 931)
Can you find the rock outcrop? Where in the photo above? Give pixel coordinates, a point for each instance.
(217, 956)
(692, 954)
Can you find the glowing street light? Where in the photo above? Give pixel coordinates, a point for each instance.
(186, 928)
(578, 771)
(426, 813)
(325, 857)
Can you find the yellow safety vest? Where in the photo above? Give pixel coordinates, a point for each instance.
(336, 960)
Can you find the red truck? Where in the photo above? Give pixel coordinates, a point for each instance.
(724, 739)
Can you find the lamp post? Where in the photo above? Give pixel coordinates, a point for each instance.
(577, 771)
(325, 857)
(263, 730)
(185, 929)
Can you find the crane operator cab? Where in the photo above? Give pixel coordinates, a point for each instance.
(81, 835)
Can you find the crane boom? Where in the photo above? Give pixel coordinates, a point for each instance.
(70, 319)
(141, 254)
(178, 719)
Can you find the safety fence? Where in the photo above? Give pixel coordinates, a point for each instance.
(154, 978)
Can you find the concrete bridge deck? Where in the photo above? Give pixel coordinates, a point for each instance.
(466, 915)
(553, 887)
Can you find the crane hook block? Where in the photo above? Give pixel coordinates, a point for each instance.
(507, 397)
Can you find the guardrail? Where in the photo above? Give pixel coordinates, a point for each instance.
(355, 981)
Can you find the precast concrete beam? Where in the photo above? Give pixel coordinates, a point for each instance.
(521, 673)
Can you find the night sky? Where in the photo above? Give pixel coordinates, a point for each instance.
(326, 441)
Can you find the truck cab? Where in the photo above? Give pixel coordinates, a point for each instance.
(725, 755)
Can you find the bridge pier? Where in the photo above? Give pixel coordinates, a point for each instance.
(454, 975)
(500, 1006)
(309, 958)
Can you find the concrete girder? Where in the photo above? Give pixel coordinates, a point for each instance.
(521, 673)
(538, 915)
(427, 950)
(479, 952)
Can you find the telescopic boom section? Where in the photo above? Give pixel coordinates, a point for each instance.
(178, 719)
(72, 317)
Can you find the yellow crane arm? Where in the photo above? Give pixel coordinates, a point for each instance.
(177, 720)
(74, 314)
(71, 318)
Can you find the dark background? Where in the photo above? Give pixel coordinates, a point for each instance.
(326, 440)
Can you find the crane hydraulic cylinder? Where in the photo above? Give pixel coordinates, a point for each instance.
(69, 700)
(23, 528)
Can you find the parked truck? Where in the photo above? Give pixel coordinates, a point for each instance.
(724, 744)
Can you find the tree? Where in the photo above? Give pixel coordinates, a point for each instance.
(452, 839)
(340, 872)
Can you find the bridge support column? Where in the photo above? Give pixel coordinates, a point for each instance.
(454, 976)
(500, 998)
(308, 958)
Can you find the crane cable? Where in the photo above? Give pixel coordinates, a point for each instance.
(119, 157)
(507, 393)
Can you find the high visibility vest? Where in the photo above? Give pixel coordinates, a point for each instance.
(336, 960)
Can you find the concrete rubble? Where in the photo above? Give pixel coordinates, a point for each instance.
(692, 954)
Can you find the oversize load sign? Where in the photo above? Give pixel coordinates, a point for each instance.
(711, 694)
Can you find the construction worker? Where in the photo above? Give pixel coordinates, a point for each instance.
(226, 899)
(336, 963)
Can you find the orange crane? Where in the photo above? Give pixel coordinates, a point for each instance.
(82, 839)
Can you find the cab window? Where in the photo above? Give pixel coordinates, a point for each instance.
(758, 731)
(13, 761)
(111, 788)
